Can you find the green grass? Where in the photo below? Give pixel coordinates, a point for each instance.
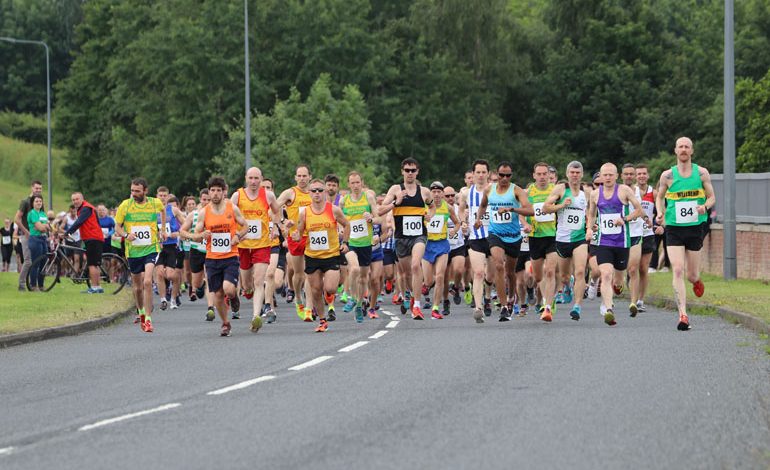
(62, 305)
(743, 295)
(20, 163)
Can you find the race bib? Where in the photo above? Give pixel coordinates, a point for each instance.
(436, 224)
(412, 225)
(319, 240)
(485, 219)
(255, 230)
(6, 239)
(105, 232)
(541, 216)
(524, 244)
(686, 212)
(358, 229)
(142, 234)
(574, 220)
(502, 217)
(220, 242)
(607, 224)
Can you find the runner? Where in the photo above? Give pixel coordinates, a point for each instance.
(571, 234)
(376, 270)
(408, 201)
(6, 232)
(458, 254)
(636, 231)
(294, 198)
(166, 270)
(358, 207)
(470, 200)
(542, 239)
(259, 208)
(594, 275)
(36, 189)
(277, 266)
(188, 206)
(137, 221)
(198, 255)
(87, 225)
(506, 202)
(525, 279)
(649, 194)
(318, 226)
(686, 189)
(614, 238)
(223, 226)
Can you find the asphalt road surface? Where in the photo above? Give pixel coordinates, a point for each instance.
(390, 393)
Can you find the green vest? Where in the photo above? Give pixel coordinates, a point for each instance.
(683, 197)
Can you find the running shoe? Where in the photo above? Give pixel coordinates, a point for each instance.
(378, 304)
(575, 313)
(397, 299)
(478, 315)
(310, 315)
(93, 290)
(698, 288)
(609, 317)
(531, 296)
(282, 290)
(373, 314)
(427, 300)
(200, 291)
(523, 309)
(468, 296)
(340, 289)
(329, 299)
(504, 314)
(174, 306)
(300, 309)
(559, 297)
(435, 314)
(546, 315)
(403, 309)
(445, 309)
(359, 314)
(236, 316)
(425, 290)
(515, 308)
(349, 306)
(322, 326)
(235, 304)
(455, 295)
(684, 322)
(408, 299)
(225, 330)
(487, 308)
(289, 296)
(249, 294)
(344, 297)
(365, 303)
(567, 296)
(617, 289)
(147, 325)
(193, 296)
(210, 314)
(632, 307)
(163, 303)
(140, 320)
(183, 287)
(640, 306)
(256, 323)
(388, 286)
(270, 314)
(417, 314)
(331, 315)
(592, 288)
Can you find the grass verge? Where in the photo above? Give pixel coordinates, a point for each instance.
(743, 295)
(63, 305)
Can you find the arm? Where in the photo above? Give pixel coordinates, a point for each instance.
(426, 195)
(275, 213)
(550, 206)
(372, 200)
(184, 230)
(482, 208)
(660, 200)
(708, 188)
(85, 213)
(162, 231)
(526, 206)
(242, 222)
(391, 200)
(341, 220)
(200, 234)
(297, 234)
(20, 227)
(630, 198)
(591, 216)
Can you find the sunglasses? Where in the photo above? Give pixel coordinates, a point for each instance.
(505, 175)
(449, 195)
(317, 190)
(410, 170)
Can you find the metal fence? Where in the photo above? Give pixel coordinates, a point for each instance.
(752, 197)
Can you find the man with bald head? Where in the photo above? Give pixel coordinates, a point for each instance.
(259, 208)
(92, 237)
(610, 202)
(685, 196)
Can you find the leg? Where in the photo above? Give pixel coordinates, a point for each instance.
(259, 272)
(634, 258)
(354, 272)
(272, 267)
(607, 273)
(147, 286)
(549, 277)
(498, 265)
(331, 279)
(440, 271)
(479, 267)
(676, 254)
(644, 279)
(579, 259)
(137, 285)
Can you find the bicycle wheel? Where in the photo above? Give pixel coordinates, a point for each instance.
(113, 272)
(49, 269)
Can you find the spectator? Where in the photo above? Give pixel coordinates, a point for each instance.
(37, 221)
(36, 189)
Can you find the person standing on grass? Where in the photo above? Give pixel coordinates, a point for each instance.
(6, 232)
(87, 224)
(37, 221)
(36, 189)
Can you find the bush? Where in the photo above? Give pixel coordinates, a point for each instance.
(24, 127)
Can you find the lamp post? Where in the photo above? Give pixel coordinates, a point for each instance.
(48, 106)
(247, 98)
(730, 265)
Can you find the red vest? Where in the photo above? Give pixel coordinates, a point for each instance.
(90, 230)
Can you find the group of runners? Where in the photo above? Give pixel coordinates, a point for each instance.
(502, 246)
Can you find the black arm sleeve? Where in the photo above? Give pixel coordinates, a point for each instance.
(85, 213)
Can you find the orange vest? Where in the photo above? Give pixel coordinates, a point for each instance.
(223, 228)
(323, 240)
(257, 214)
(301, 199)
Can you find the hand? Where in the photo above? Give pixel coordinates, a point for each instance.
(659, 219)
(619, 222)
(131, 237)
(205, 235)
(400, 196)
(477, 224)
(375, 240)
(367, 216)
(163, 235)
(526, 228)
(658, 230)
(344, 248)
(702, 209)
(567, 202)
(232, 240)
(295, 235)
(288, 224)
(589, 234)
(274, 233)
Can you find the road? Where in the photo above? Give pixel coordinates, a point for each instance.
(401, 394)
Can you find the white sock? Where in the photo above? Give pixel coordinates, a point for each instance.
(416, 304)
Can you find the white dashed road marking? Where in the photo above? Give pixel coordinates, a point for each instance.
(307, 364)
(353, 346)
(244, 384)
(129, 416)
(379, 334)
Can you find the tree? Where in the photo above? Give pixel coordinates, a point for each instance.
(754, 105)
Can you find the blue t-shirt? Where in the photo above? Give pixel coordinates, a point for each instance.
(108, 227)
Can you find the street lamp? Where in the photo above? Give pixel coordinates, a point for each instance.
(246, 74)
(48, 107)
(730, 264)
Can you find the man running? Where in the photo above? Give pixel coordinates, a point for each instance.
(434, 261)
(614, 238)
(295, 198)
(91, 234)
(542, 239)
(648, 196)
(137, 222)
(570, 202)
(318, 224)
(636, 231)
(408, 201)
(277, 266)
(685, 196)
(458, 253)
(219, 223)
(166, 267)
(198, 255)
(506, 202)
(259, 208)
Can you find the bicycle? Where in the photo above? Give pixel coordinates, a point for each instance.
(113, 270)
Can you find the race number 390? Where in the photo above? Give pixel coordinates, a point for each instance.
(220, 242)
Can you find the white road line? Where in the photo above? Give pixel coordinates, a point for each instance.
(379, 334)
(353, 346)
(244, 384)
(386, 312)
(128, 416)
(6, 450)
(307, 364)
(392, 324)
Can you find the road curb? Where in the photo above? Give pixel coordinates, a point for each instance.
(744, 319)
(16, 339)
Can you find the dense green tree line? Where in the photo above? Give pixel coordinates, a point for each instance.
(156, 88)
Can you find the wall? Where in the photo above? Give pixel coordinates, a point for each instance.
(753, 251)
